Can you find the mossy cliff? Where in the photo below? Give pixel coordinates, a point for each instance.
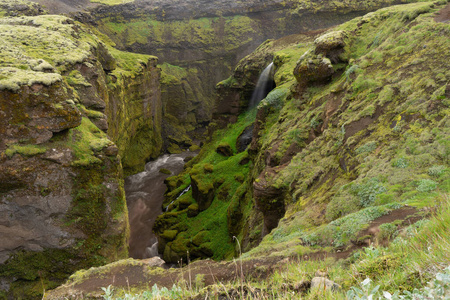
(186, 110)
(356, 127)
(356, 130)
(62, 200)
(206, 40)
(134, 109)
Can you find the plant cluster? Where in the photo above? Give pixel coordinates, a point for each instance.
(437, 289)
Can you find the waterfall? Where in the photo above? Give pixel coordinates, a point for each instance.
(263, 87)
(181, 194)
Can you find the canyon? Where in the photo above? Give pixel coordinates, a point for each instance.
(354, 129)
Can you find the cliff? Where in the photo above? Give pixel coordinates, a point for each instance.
(205, 40)
(349, 151)
(75, 113)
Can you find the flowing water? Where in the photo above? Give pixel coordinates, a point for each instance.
(145, 195)
(264, 85)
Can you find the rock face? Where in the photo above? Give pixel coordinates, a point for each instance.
(134, 111)
(62, 202)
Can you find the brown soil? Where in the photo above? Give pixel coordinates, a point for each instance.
(140, 275)
(356, 126)
(443, 15)
(408, 215)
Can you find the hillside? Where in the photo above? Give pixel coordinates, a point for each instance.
(340, 173)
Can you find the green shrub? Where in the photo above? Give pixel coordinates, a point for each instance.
(387, 231)
(367, 147)
(350, 71)
(368, 191)
(426, 185)
(436, 170)
(401, 163)
(275, 98)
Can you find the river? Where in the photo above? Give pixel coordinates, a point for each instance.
(145, 195)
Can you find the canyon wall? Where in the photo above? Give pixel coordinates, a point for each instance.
(205, 40)
(74, 114)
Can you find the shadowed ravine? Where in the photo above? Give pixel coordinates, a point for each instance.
(145, 194)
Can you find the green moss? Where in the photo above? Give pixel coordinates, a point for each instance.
(213, 173)
(75, 78)
(84, 140)
(36, 272)
(129, 64)
(169, 235)
(165, 171)
(25, 150)
(50, 50)
(13, 78)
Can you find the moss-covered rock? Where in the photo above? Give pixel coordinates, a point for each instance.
(184, 203)
(169, 235)
(192, 210)
(165, 171)
(19, 7)
(313, 68)
(202, 192)
(224, 149)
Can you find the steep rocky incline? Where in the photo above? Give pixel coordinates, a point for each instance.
(73, 111)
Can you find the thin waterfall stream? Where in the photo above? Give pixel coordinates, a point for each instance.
(145, 194)
(264, 85)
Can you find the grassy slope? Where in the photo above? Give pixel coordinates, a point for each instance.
(397, 66)
(354, 172)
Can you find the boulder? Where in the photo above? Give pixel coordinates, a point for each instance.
(324, 283)
(154, 262)
(245, 138)
(331, 45)
(169, 235)
(313, 67)
(192, 210)
(270, 201)
(202, 191)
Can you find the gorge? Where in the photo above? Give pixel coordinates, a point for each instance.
(347, 149)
